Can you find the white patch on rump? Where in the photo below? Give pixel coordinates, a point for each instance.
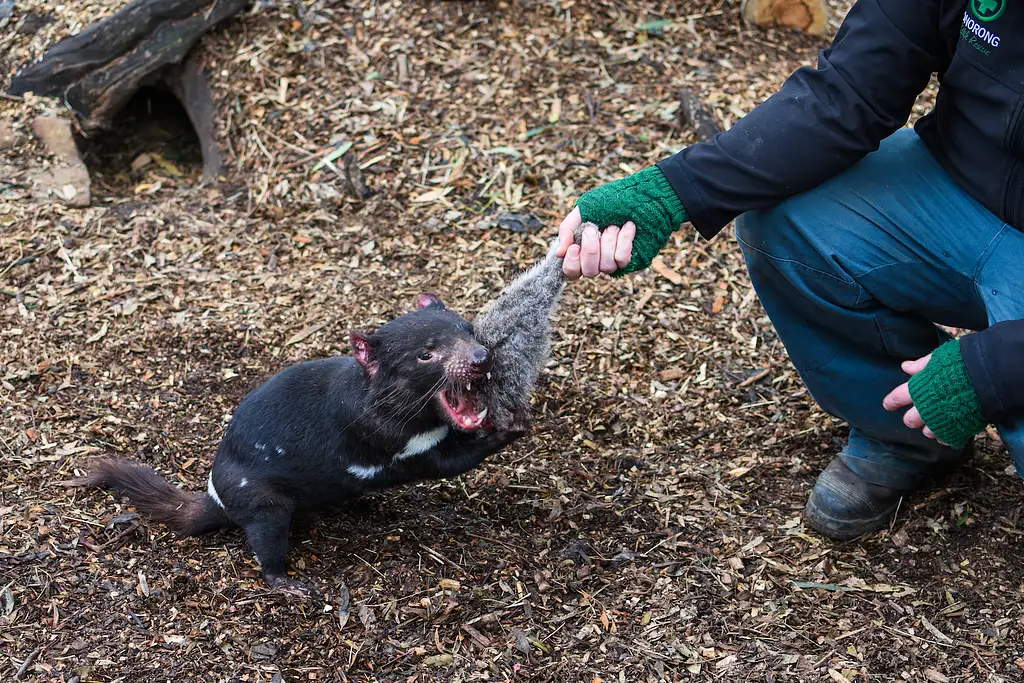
(212, 492)
(364, 471)
(421, 443)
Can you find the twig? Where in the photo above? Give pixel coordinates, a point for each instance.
(702, 15)
(936, 632)
(27, 663)
(439, 557)
(923, 640)
(754, 378)
(895, 515)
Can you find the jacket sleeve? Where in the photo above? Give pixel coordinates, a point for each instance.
(995, 363)
(821, 121)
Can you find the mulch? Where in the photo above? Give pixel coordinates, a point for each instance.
(650, 529)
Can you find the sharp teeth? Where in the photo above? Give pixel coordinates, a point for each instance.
(488, 375)
(469, 387)
(483, 413)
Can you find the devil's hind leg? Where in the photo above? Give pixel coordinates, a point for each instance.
(267, 530)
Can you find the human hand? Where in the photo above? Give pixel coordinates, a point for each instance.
(900, 398)
(604, 252)
(635, 215)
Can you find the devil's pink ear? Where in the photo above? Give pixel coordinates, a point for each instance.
(363, 351)
(430, 299)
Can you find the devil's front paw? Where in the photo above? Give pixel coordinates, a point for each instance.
(522, 424)
(514, 432)
(494, 440)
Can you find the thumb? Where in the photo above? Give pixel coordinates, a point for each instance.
(912, 367)
(567, 231)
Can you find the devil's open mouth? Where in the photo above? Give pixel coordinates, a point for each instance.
(463, 408)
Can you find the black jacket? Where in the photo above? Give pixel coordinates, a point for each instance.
(863, 91)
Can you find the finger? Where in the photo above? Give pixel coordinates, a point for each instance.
(931, 435)
(898, 398)
(609, 238)
(590, 252)
(912, 367)
(624, 245)
(912, 418)
(567, 231)
(571, 264)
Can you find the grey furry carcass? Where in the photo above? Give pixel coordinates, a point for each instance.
(516, 328)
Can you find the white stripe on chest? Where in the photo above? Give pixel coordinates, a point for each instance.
(416, 445)
(421, 443)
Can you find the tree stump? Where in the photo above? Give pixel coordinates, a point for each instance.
(147, 42)
(809, 16)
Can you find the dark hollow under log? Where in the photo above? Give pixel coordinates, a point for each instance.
(98, 70)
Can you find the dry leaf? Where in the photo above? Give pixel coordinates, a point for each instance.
(304, 333)
(659, 266)
(433, 195)
(99, 335)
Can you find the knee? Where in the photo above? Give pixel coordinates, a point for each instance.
(792, 231)
(768, 232)
(792, 263)
(752, 230)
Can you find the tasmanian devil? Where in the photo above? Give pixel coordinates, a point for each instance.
(402, 409)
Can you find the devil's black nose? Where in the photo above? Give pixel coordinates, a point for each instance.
(479, 357)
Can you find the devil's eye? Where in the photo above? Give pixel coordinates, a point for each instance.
(425, 356)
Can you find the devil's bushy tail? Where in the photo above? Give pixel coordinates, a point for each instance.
(188, 513)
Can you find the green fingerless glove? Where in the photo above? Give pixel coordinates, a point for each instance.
(647, 199)
(944, 395)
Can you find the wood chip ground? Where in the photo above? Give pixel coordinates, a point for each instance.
(649, 530)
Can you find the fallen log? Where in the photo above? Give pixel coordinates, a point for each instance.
(146, 43)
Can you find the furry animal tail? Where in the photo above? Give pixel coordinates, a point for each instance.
(188, 513)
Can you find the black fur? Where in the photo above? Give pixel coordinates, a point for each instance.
(311, 436)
